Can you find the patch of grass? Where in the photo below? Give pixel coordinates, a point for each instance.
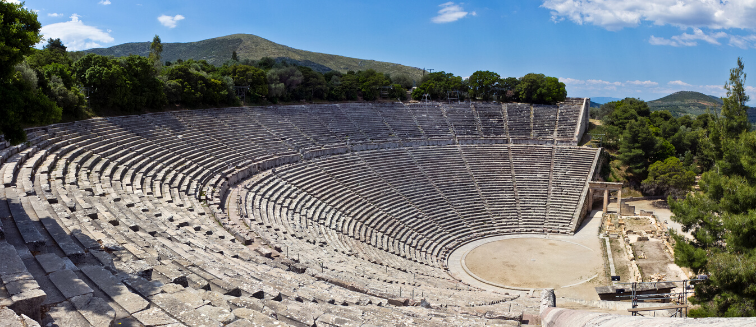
(629, 192)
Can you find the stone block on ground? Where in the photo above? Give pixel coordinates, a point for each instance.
(172, 274)
(69, 284)
(115, 289)
(503, 315)
(8, 318)
(50, 262)
(221, 315)
(11, 263)
(64, 315)
(144, 287)
(330, 320)
(94, 309)
(154, 317)
(184, 312)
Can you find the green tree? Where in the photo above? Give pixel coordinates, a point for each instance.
(55, 44)
(482, 84)
(144, 88)
(255, 78)
(54, 52)
(283, 81)
(437, 84)
(541, 89)
(405, 81)
(639, 147)
(313, 85)
(734, 105)
(22, 104)
(196, 83)
(398, 92)
(234, 57)
(106, 79)
(506, 90)
(19, 31)
(370, 82)
(669, 178)
(722, 217)
(156, 52)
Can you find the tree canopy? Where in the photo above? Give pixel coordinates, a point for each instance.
(541, 89)
(669, 178)
(23, 103)
(722, 217)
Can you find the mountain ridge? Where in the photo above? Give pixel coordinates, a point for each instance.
(687, 103)
(247, 46)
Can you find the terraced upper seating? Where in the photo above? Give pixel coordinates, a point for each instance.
(303, 215)
(456, 194)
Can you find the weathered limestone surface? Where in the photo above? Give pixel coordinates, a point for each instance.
(558, 317)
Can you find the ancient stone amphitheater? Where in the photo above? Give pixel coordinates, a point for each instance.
(311, 215)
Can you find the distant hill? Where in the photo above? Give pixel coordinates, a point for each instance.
(602, 100)
(686, 103)
(595, 104)
(218, 50)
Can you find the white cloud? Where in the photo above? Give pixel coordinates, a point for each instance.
(104, 2)
(743, 42)
(642, 83)
(170, 21)
(600, 82)
(678, 83)
(617, 14)
(450, 12)
(632, 88)
(13, 1)
(689, 40)
(52, 14)
(590, 84)
(75, 35)
(571, 81)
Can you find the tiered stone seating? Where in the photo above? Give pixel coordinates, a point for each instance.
(463, 121)
(531, 170)
(233, 217)
(569, 115)
(544, 121)
(400, 120)
(519, 120)
(491, 119)
(430, 119)
(368, 120)
(337, 122)
(570, 165)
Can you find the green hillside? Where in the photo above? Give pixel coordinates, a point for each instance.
(687, 103)
(218, 50)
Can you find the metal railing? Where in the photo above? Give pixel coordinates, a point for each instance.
(681, 298)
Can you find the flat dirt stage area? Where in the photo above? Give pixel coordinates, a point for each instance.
(532, 262)
(519, 263)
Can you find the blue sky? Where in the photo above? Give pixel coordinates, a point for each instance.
(616, 48)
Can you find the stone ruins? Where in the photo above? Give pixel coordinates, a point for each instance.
(308, 215)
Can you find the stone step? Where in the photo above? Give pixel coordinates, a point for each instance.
(116, 290)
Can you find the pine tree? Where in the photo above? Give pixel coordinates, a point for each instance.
(722, 218)
(156, 51)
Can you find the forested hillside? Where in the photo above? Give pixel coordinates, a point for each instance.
(687, 103)
(218, 50)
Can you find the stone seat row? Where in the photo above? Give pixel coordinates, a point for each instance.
(123, 195)
(101, 231)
